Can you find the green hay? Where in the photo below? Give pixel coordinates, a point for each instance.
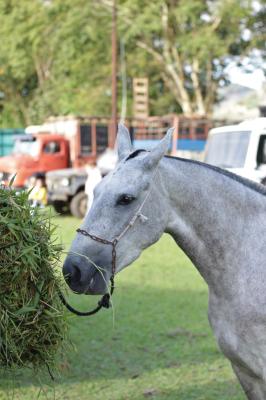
(33, 326)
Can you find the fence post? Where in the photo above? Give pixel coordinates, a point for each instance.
(175, 135)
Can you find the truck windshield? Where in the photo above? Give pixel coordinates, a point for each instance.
(227, 149)
(27, 147)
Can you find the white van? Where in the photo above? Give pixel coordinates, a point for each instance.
(239, 148)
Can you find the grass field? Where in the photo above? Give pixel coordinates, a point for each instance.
(159, 347)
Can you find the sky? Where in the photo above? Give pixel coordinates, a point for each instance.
(253, 80)
(252, 71)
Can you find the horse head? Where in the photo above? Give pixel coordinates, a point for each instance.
(127, 215)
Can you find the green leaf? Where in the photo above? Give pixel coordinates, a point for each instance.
(12, 180)
(25, 310)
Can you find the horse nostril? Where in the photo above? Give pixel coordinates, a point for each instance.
(71, 272)
(76, 275)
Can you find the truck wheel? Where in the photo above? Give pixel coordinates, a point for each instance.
(61, 207)
(78, 205)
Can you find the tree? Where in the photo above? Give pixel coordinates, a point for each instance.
(54, 59)
(55, 56)
(191, 41)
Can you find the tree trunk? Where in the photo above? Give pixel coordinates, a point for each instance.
(199, 102)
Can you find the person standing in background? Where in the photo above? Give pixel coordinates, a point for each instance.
(38, 193)
(94, 177)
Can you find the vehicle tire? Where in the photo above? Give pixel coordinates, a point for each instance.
(78, 205)
(61, 207)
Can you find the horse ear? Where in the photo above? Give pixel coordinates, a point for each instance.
(124, 146)
(153, 158)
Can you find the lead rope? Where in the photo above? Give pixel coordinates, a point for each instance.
(105, 300)
(103, 303)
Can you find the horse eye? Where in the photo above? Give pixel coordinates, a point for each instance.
(125, 199)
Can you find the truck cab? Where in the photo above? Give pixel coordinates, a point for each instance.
(239, 148)
(34, 154)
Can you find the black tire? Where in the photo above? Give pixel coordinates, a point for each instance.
(61, 207)
(78, 205)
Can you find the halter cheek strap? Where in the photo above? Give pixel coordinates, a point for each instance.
(105, 300)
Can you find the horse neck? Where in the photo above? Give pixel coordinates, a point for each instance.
(211, 216)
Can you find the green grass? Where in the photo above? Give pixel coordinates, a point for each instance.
(160, 346)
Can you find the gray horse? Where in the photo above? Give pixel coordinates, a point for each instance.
(216, 217)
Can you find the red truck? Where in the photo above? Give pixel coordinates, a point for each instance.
(64, 145)
(34, 153)
(59, 143)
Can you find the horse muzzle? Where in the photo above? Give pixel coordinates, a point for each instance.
(84, 277)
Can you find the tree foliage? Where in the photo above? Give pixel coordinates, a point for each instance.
(55, 55)
(54, 58)
(191, 41)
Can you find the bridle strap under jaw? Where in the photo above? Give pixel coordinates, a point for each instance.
(105, 300)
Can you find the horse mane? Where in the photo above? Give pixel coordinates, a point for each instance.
(257, 187)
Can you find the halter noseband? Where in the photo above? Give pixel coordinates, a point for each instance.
(105, 300)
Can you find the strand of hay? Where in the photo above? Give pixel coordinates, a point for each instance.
(32, 321)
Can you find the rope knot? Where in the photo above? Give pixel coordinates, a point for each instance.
(105, 301)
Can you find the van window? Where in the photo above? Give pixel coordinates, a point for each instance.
(261, 156)
(228, 149)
